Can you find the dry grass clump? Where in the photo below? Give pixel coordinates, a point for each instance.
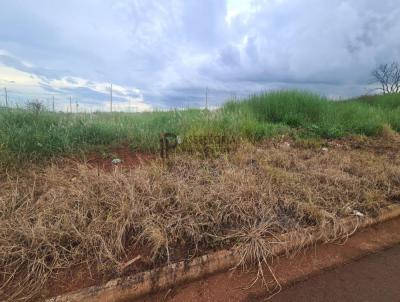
(72, 214)
(388, 134)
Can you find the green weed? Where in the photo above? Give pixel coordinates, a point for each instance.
(27, 135)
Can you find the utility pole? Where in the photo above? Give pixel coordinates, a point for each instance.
(77, 105)
(6, 96)
(53, 104)
(70, 104)
(111, 100)
(206, 98)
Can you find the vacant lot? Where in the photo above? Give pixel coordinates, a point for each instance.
(299, 162)
(70, 215)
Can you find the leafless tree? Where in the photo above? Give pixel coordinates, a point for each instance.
(35, 106)
(388, 76)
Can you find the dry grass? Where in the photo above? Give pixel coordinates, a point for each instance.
(70, 214)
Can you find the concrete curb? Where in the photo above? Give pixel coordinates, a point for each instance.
(136, 286)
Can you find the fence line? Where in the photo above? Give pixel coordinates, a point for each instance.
(69, 103)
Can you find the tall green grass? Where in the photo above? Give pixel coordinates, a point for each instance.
(318, 116)
(26, 135)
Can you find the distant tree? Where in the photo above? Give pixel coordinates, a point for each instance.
(388, 76)
(35, 106)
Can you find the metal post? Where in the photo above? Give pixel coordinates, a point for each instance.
(206, 98)
(6, 96)
(111, 99)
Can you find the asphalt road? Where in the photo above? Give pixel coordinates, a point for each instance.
(371, 279)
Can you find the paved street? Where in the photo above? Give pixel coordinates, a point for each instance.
(371, 279)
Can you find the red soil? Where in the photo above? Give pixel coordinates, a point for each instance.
(129, 158)
(85, 276)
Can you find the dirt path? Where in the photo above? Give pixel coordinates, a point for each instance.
(373, 278)
(378, 273)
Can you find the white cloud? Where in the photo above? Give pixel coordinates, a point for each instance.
(23, 86)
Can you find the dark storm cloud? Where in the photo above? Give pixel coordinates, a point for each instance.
(172, 50)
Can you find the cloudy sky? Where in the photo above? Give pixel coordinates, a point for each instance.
(165, 53)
